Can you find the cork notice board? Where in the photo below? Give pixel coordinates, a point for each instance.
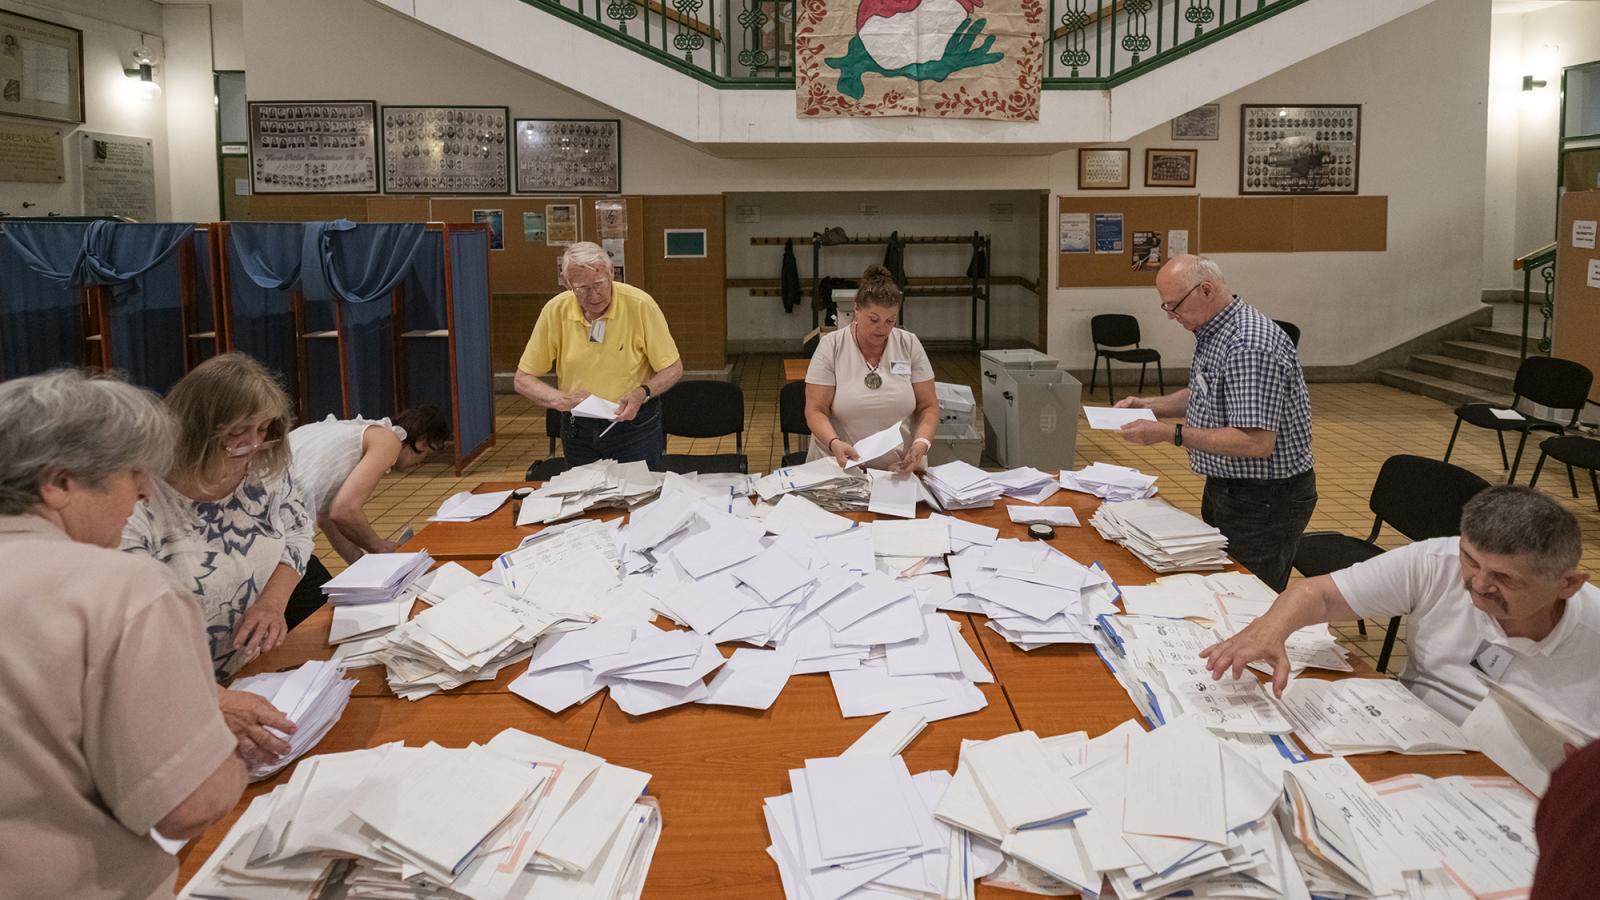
(1161, 214)
(1577, 312)
(1295, 224)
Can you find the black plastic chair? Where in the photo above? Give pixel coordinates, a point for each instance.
(1574, 451)
(552, 428)
(1419, 497)
(792, 419)
(705, 409)
(546, 469)
(1547, 381)
(1113, 330)
(1291, 329)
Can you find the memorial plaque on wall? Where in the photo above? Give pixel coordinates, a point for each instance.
(31, 153)
(314, 147)
(569, 156)
(119, 176)
(446, 150)
(41, 69)
(1300, 150)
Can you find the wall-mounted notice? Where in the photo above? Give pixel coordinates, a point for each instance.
(1583, 234)
(32, 153)
(1108, 232)
(119, 176)
(561, 224)
(1594, 273)
(1177, 242)
(1075, 235)
(533, 227)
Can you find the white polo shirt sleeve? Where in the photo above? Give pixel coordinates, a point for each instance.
(1407, 580)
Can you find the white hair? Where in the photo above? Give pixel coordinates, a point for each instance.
(1195, 269)
(585, 255)
(90, 428)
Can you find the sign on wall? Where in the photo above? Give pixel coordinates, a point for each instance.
(446, 149)
(314, 147)
(31, 153)
(41, 69)
(119, 175)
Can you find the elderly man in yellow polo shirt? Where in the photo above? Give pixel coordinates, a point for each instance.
(609, 340)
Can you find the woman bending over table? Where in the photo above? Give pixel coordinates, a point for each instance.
(226, 519)
(869, 376)
(112, 726)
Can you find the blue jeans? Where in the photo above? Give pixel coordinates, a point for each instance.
(640, 439)
(1262, 519)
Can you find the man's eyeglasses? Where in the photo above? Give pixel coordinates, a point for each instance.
(1170, 308)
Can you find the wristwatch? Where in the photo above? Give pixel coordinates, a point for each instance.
(647, 394)
(1177, 435)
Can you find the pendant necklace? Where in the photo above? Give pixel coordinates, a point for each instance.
(873, 380)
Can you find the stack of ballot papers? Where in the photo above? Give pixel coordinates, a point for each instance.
(961, 485)
(1182, 810)
(1368, 715)
(1116, 483)
(1033, 594)
(1157, 661)
(821, 481)
(861, 825)
(467, 506)
(597, 485)
(376, 578)
(1230, 601)
(466, 637)
(1164, 537)
(519, 817)
(313, 697)
(1027, 483)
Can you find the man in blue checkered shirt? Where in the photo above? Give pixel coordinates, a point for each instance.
(1246, 419)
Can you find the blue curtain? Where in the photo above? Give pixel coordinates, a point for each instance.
(146, 327)
(118, 253)
(41, 322)
(469, 288)
(427, 359)
(204, 302)
(369, 350)
(357, 263)
(263, 260)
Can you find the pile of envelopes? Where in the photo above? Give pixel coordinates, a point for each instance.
(376, 578)
(821, 481)
(312, 696)
(605, 484)
(1165, 538)
(961, 485)
(1115, 483)
(1033, 594)
(519, 817)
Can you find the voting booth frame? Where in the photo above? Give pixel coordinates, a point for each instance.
(426, 343)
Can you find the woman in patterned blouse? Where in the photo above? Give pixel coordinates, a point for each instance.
(227, 520)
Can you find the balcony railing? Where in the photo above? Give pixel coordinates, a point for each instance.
(749, 44)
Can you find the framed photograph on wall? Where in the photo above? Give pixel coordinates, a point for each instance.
(1203, 123)
(1101, 169)
(568, 156)
(314, 147)
(41, 69)
(446, 150)
(1300, 149)
(1170, 168)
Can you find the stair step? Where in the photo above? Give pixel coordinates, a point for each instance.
(1470, 373)
(1486, 354)
(1451, 392)
(1511, 340)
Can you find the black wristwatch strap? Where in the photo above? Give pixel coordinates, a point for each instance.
(647, 393)
(1177, 435)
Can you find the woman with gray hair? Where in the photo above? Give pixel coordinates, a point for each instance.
(112, 720)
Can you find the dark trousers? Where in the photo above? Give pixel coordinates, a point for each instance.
(307, 597)
(640, 439)
(1262, 519)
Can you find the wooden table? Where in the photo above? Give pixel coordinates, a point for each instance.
(711, 766)
(795, 369)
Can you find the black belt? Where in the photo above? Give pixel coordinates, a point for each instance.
(1261, 482)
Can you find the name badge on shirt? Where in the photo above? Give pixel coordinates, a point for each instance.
(1492, 660)
(899, 368)
(597, 331)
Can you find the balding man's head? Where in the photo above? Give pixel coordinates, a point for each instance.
(1191, 289)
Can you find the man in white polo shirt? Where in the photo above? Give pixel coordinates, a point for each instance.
(1504, 602)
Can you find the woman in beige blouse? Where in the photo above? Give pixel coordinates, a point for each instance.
(870, 376)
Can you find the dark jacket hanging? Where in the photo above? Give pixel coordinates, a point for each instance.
(894, 259)
(789, 278)
(979, 267)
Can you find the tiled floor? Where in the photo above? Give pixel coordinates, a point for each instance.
(1357, 427)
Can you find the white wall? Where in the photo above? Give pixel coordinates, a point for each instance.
(1422, 81)
(1500, 171)
(1563, 35)
(191, 115)
(1015, 247)
(111, 32)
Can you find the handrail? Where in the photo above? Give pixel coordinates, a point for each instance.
(749, 44)
(1543, 263)
(1547, 253)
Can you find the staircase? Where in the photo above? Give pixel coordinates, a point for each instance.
(1478, 370)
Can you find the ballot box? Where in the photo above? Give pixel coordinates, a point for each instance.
(1030, 409)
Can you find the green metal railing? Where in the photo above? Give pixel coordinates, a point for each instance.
(749, 44)
(1540, 264)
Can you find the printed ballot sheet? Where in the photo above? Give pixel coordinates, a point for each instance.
(877, 444)
(1109, 418)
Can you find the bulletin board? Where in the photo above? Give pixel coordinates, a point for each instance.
(399, 209)
(1295, 224)
(523, 267)
(1160, 214)
(1577, 307)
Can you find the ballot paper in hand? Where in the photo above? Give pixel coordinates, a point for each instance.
(1110, 418)
(593, 407)
(875, 445)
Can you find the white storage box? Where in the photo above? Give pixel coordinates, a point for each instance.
(957, 406)
(953, 442)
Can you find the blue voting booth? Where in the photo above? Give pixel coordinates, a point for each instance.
(356, 319)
